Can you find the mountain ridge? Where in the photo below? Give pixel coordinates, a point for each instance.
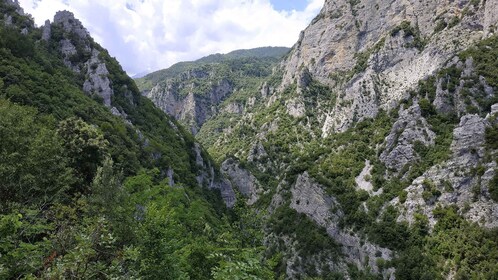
(192, 92)
(368, 152)
(364, 128)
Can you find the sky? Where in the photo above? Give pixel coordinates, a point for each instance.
(148, 35)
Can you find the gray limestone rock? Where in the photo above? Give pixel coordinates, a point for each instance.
(245, 182)
(329, 48)
(468, 137)
(97, 81)
(234, 108)
(309, 198)
(208, 178)
(406, 131)
(257, 152)
(453, 179)
(494, 109)
(193, 109)
(295, 108)
(47, 31)
(70, 24)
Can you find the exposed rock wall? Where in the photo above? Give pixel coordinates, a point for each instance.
(309, 198)
(193, 109)
(245, 182)
(209, 178)
(98, 79)
(454, 179)
(353, 48)
(409, 128)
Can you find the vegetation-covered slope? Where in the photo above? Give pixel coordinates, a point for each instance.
(91, 190)
(379, 162)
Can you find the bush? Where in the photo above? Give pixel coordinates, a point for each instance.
(492, 137)
(493, 187)
(426, 107)
(403, 196)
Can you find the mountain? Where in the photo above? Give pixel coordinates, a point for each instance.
(140, 75)
(98, 183)
(193, 92)
(371, 145)
(263, 52)
(367, 151)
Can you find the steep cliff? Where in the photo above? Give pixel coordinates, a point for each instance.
(373, 52)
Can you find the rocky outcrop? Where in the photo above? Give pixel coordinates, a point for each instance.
(363, 181)
(454, 182)
(371, 53)
(209, 179)
(192, 109)
(70, 24)
(309, 198)
(490, 17)
(15, 3)
(46, 31)
(295, 108)
(410, 128)
(97, 82)
(245, 182)
(257, 152)
(83, 56)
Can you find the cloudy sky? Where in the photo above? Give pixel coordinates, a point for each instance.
(147, 35)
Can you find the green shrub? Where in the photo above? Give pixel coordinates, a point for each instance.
(426, 107)
(492, 137)
(402, 196)
(493, 187)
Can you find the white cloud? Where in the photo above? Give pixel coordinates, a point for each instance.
(154, 34)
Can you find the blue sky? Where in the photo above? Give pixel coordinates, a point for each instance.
(148, 35)
(289, 5)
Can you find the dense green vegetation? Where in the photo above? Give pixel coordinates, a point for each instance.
(85, 194)
(455, 246)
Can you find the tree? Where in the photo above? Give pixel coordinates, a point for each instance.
(85, 145)
(33, 168)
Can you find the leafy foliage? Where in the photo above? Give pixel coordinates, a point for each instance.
(33, 166)
(83, 192)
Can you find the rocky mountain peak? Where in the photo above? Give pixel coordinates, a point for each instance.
(15, 3)
(70, 24)
(81, 54)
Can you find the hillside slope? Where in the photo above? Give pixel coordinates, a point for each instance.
(95, 181)
(372, 144)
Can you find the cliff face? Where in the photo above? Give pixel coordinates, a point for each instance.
(194, 109)
(385, 47)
